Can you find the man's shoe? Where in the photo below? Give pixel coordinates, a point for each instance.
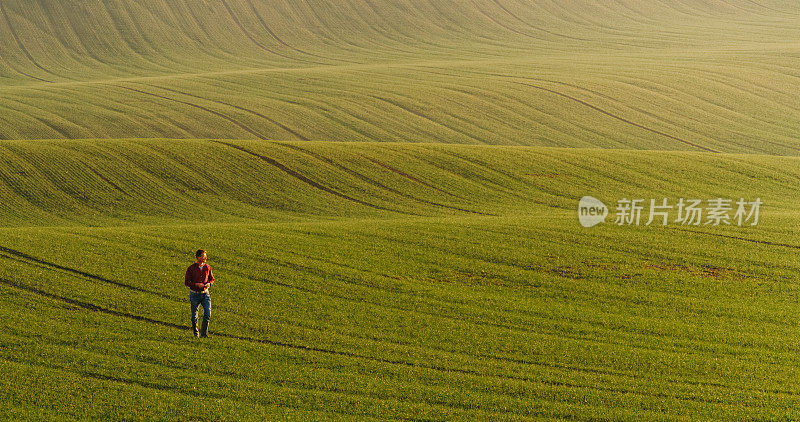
(196, 331)
(204, 330)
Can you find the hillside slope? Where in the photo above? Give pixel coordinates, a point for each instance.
(56, 41)
(358, 280)
(112, 182)
(697, 75)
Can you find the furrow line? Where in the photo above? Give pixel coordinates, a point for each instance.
(255, 41)
(502, 25)
(284, 43)
(353, 355)
(744, 239)
(410, 177)
(31, 260)
(308, 181)
(160, 387)
(505, 173)
(255, 113)
(22, 46)
(424, 117)
(622, 119)
(375, 182)
(216, 113)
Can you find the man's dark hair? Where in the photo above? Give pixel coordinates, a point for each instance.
(198, 253)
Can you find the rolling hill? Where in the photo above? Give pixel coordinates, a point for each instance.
(387, 192)
(696, 75)
(390, 280)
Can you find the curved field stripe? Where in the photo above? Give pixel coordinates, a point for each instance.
(22, 46)
(360, 356)
(737, 117)
(424, 117)
(284, 43)
(308, 181)
(36, 116)
(398, 36)
(588, 104)
(216, 113)
(125, 381)
(31, 260)
(504, 25)
(107, 181)
(16, 69)
(475, 177)
(511, 176)
(410, 177)
(375, 182)
(743, 239)
(255, 113)
(622, 119)
(255, 41)
(132, 19)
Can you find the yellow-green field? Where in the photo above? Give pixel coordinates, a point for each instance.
(691, 75)
(388, 194)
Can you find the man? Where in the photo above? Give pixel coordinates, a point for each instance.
(199, 278)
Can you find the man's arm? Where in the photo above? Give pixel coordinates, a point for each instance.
(210, 279)
(188, 279)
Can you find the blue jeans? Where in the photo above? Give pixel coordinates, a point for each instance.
(195, 299)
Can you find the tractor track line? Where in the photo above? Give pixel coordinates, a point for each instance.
(622, 119)
(126, 381)
(744, 239)
(107, 180)
(503, 325)
(273, 121)
(511, 176)
(216, 113)
(284, 43)
(283, 386)
(354, 355)
(375, 182)
(546, 31)
(470, 174)
(410, 177)
(499, 358)
(22, 46)
(14, 68)
(504, 26)
(308, 181)
(420, 115)
(31, 260)
(256, 42)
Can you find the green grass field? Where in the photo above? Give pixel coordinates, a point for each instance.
(388, 195)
